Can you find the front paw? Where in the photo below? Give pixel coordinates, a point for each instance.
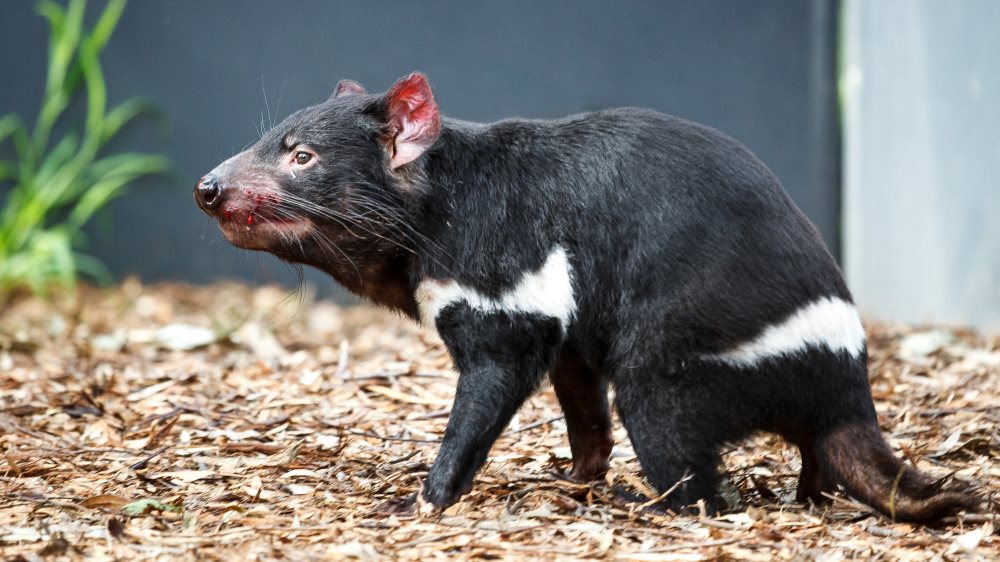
(440, 493)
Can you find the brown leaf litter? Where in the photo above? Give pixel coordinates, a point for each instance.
(224, 422)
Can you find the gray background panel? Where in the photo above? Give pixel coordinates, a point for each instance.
(922, 159)
(761, 71)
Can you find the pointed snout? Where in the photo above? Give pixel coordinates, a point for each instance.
(209, 193)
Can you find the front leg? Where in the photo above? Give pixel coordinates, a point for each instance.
(501, 358)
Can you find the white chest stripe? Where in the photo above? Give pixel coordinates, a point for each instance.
(828, 322)
(548, 291)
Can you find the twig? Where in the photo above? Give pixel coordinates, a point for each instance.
(972, 518)
(669, 491)
(943, 411)
(374, 435)
(538, 423)
(433, 538)
(685, 546)
(142, 464)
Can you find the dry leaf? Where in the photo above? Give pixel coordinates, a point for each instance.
(104, 501)
(320, 454)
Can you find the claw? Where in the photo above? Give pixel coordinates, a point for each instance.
(426, 508)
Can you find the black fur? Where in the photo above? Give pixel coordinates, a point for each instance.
(681, 243)
(502, 358)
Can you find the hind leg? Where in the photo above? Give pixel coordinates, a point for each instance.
(672, 437)
(813, 480)
(584, 400)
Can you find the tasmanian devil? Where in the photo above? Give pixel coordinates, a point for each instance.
(621, 246)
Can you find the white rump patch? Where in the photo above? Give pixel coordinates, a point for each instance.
(828, 322)
(548, 292)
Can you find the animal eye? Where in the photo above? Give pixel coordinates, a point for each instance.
(302, 158)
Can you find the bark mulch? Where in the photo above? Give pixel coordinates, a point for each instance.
(227, 422)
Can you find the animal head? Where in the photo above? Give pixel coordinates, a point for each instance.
(330, 179)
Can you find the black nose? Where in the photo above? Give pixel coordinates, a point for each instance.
(208, 193)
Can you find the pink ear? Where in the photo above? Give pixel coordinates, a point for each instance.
(414, 116)
(348, 88)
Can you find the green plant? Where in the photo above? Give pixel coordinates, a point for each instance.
(54, 187)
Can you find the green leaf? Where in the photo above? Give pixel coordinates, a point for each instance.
(93, 77)
(8, 170)
(93, 268)
(64, 38)
(57, 246)
(102, 192)
(56, 188)
(146, 505)
(46, 258)
(57, 158)
(9, 125)
(106, 24)
(121, 115)
(126, 162)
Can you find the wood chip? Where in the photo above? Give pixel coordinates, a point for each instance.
(312, 447)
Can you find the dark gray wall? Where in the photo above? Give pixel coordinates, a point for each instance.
(762, 71)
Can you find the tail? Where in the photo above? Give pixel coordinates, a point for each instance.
(857, 457)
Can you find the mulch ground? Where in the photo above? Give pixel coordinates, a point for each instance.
(174, 422)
